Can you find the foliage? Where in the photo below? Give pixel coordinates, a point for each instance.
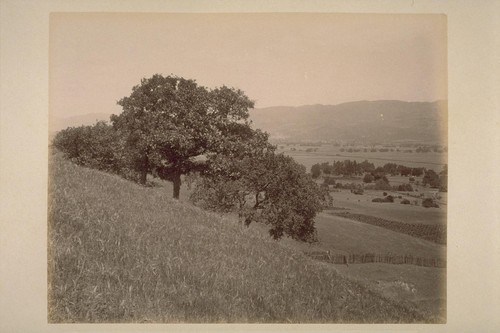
(264, 187)
(94, 146)
(405, 202)
(315, 170)
(417, 172)
(388, 198)
(169, 121)
(404, 188)
(431, 178)
(391, 168)
(329, 180)
(358, 191)
(443, 179)
(368, 178)
(429, 203)
(382, 184)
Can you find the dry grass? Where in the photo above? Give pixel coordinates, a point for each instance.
(119, 252)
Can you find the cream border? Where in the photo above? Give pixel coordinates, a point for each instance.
(474, 141)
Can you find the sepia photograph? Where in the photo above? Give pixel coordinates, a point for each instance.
(247, 168)
(225, 165)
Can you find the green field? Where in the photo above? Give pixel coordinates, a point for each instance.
(120, 252)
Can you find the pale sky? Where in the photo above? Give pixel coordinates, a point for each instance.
(276, 59)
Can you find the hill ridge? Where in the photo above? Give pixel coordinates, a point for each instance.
(364, 121)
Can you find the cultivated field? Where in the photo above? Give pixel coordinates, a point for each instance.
(329, 153)
(356, 226)
(362, 204)
(120, 252)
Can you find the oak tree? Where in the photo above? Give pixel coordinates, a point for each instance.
(167, 122)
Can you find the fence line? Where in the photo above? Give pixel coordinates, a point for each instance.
(376, 258)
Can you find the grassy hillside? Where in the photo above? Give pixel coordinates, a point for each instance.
(119, 252)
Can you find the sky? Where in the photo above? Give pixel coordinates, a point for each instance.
(280, 59)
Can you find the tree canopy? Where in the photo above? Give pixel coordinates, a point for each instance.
(168, 121)
(264, 187)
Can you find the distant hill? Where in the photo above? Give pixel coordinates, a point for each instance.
(366, 121)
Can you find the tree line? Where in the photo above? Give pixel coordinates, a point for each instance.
(171, 126)
(379, 174)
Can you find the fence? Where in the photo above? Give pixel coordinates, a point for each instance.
(376, 258)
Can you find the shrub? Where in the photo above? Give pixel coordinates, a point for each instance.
(404, 188)
(381, 184)
(405, 202)
(388, 198)
(429, 203)
(384, 194)
(329, 181)
(368, 178)
(358, 191)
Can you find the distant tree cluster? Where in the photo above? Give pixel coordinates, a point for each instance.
(353, 168)
(346, 168)
(435, 180)
(379, 175)
(171, 126)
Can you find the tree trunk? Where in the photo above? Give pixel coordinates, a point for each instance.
(143, 177)
(144, 170)
(176, 179)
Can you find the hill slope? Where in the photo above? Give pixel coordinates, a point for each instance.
(375, 121)
(119, 252)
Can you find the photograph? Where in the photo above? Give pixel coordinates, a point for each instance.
(272, 167)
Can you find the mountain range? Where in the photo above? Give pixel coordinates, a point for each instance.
(361, 121)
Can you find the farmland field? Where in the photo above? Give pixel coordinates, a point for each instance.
(329, 153)
(423, 287)
(362, 204)
(340, 234)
